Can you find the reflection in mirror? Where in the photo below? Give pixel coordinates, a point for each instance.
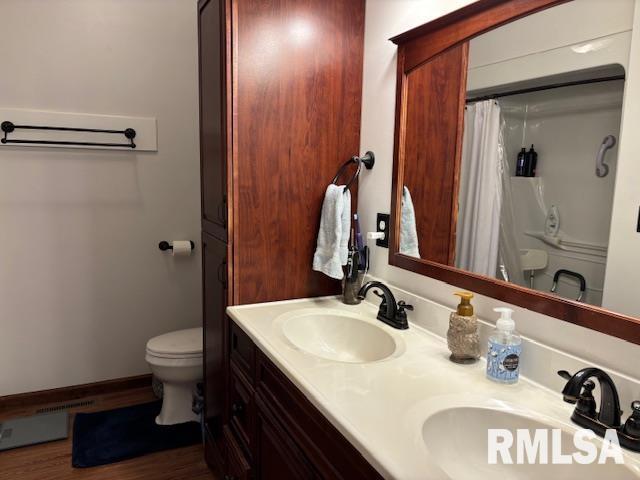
(531, 200)
(408, 230)
(536, 185)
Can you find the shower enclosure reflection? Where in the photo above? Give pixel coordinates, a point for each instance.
(531, 199)
(549, 229)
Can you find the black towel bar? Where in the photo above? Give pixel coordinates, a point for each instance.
(8, 127)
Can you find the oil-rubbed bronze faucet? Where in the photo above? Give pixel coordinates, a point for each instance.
(578, 390)
(390, 312)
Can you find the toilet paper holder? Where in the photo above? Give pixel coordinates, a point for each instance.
(164, 245)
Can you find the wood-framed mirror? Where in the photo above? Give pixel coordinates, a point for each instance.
(474, 204)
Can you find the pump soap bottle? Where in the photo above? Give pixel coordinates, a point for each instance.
(462, 336)
(505, 346)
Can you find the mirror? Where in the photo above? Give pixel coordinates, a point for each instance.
(507, 154)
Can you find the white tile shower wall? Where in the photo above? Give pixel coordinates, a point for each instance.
(567, 126)
(384, 19)
(83, 285)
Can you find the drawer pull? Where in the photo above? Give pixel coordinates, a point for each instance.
(237, 408)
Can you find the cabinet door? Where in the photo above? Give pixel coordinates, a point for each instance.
(276, 454)
(212, 117)
(214, 275)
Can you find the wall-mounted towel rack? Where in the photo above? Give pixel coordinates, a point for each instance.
(368, 160)
(9, 127)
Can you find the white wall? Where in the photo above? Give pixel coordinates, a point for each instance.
(384, 19)
(83, 285)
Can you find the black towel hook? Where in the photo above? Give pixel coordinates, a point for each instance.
(369, 160)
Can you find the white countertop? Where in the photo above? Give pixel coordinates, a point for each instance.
(380, 407)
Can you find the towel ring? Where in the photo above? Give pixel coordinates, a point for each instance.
(368, 160)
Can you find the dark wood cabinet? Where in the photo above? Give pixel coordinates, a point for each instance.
(280, 95)
(278, 431)
(241, 408)
(214, 271)
(213, 161)
(237, 467)
(276, 454)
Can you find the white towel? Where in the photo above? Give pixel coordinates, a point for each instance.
(408, 232)
(332, 248)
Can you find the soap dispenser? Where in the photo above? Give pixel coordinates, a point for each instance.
(462, 336)
(505, 346)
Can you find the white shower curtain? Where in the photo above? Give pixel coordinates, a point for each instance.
(480, 199)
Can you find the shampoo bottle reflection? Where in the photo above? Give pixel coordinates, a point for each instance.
(505, 346)
(462, 336)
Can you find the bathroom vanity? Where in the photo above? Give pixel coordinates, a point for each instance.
(319, 389)
(274, 431)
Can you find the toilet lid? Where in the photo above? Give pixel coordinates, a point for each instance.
(181, 342)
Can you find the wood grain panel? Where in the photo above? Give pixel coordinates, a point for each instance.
(298, 82)
(431, 149)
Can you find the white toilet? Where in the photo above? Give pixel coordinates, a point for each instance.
(176, 360)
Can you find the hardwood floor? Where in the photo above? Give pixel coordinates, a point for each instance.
(52, 461)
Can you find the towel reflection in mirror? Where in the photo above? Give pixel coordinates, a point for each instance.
(408, 231)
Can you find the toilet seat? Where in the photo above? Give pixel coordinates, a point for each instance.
(181, 344)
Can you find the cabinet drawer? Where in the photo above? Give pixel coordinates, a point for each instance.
(242, 351)
(241, 408)
(238, 467)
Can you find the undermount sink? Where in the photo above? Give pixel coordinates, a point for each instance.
(457, 440)
(339, 336)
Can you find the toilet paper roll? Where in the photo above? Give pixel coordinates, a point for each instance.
(181, 248)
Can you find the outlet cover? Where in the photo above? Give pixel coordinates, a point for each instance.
(382, 225)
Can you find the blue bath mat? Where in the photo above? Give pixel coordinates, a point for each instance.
(114, 435)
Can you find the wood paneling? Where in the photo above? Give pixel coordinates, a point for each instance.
(297, 81)
(52, 461)
(432, 104)
(426, 56)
